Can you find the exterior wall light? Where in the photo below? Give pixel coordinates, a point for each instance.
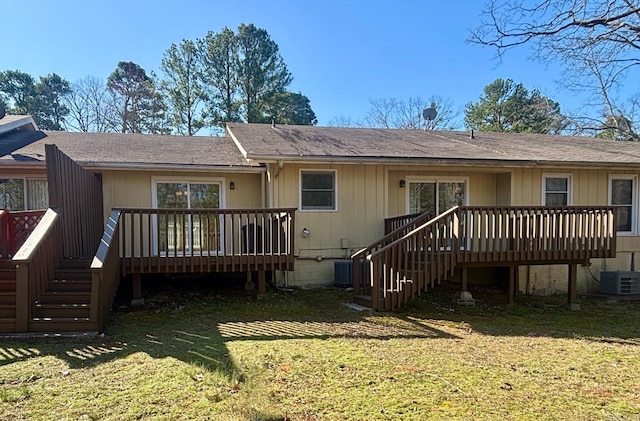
(402, 183)
(305, 232)
(232, 186)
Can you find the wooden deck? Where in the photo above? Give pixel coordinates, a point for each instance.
(413, 259)
(206, 240)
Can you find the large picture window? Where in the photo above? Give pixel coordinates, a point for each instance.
(18, 194)
(318, 190)
(436, 196)
(622, 195)
(556, 190)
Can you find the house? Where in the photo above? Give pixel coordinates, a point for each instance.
(408, 208)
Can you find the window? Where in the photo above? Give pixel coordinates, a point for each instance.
(18, 194)
(318, 190)
(556, 190)
(436, 196)
(622, 195)
(197, 232)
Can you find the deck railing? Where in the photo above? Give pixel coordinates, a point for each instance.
(206, 240)
(35, 264)
(4, 234)
(486, 235)
(396, 222)
(105, 271)
(409, 223)
(15, 227)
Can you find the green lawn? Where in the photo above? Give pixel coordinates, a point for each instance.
(304, 356)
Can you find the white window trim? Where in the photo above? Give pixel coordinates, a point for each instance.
(335, 190)
(418, 179)
(634, 201)
(177, 179)
(543, 190)
(24, 178)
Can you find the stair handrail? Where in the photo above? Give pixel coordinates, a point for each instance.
(424, 216)
(360, 254)
(35, 262)
(396, 270)
(444, 215)
(105, 270)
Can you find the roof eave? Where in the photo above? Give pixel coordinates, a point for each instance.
(169, 167)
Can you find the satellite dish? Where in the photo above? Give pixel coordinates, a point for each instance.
(429, 114)
(2, 111)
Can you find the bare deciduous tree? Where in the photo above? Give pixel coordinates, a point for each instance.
(598, 41)
(90, 106)
(392, 113)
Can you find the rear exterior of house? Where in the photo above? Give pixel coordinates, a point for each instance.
(380, 174)
(300, 202)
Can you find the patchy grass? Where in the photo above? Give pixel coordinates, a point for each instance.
(304, 356)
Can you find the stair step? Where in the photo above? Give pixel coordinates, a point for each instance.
(65, 297)
(7, 297)
(71, 285)
(7, 274)
(7, 311)
(75, 274)
(75, 264)
(7, 286)
(7, 264)
(62, 324)
(363, 300)
(61, 310)
(7, 325)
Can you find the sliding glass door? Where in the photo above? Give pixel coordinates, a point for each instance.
(188, 231)
(436, 196)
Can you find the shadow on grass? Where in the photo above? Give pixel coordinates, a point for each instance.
(195, 327)
(600, 319)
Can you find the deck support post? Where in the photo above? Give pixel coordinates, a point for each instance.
(463, 276)
(23, 303)
(248, 285)
(136, 283)
(572, 288)
(465, 299)
(262, 282)
(513, 283)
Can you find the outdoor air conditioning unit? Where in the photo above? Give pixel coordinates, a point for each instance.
(619, 282)
(343, 272)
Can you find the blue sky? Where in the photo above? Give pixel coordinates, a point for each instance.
(341, 53)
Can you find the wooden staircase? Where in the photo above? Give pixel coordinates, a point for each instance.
(7, 294)
(422, 253)
(65, 304)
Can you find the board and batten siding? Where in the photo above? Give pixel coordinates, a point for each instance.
(481, 188)
(334, 235)
(133, 189)
(590, 186)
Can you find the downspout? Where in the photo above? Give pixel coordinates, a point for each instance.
(274, 181)
(280, 165)
(265, 191)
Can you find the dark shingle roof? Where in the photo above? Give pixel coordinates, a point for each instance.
(114, 149)
(262, 142)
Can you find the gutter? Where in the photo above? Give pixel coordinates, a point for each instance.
(170, 167)
(440, 162)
